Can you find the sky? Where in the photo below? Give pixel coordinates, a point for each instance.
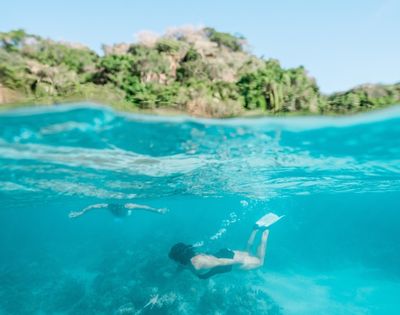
(341, 43)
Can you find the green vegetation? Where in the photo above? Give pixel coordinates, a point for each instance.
(199, 71)
(225, 39)
(364, 98)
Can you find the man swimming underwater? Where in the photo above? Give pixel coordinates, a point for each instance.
(205, 265)
(118, 210)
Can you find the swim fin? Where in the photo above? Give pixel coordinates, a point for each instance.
(267, 220)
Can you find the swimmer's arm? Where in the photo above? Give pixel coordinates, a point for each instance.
(75, 214)
(200, 262)
(132, 206)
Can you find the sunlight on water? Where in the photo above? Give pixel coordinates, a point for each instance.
(337, 180)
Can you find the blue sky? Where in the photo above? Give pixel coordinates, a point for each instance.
(341, 43)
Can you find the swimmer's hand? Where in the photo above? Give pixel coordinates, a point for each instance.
(74, 214)
(162, 210)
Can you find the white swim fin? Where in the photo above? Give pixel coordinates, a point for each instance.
(268, 219)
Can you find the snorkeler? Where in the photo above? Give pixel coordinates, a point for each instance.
(205, 265)
(118, 210)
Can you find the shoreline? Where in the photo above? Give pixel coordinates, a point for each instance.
(282, 122)
(125, 107)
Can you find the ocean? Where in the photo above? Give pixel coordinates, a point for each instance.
(336, 180)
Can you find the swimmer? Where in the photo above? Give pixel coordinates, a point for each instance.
(118, 210)
(205, 265)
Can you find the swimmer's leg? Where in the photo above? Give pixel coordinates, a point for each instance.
(251, 240)
(262, 248)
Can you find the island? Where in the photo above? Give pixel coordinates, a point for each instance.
(196, 71)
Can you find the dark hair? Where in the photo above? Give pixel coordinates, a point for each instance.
(182, 253)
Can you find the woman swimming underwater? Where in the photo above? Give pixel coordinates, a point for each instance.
(205, 265)
(118, 210)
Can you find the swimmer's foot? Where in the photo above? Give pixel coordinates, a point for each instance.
(162, 210)
(259, 228)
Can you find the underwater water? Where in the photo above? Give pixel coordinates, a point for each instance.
(336, 180)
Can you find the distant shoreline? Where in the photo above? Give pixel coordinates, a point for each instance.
(71, 104)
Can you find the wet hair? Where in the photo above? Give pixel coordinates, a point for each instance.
(182, 253)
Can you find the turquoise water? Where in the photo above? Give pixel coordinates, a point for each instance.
(337, 180)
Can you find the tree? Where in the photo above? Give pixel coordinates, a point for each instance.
(11, 41)
(275, 89)
(225, 39)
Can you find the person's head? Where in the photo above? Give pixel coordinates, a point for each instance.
(181, 253)
(118, 210)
